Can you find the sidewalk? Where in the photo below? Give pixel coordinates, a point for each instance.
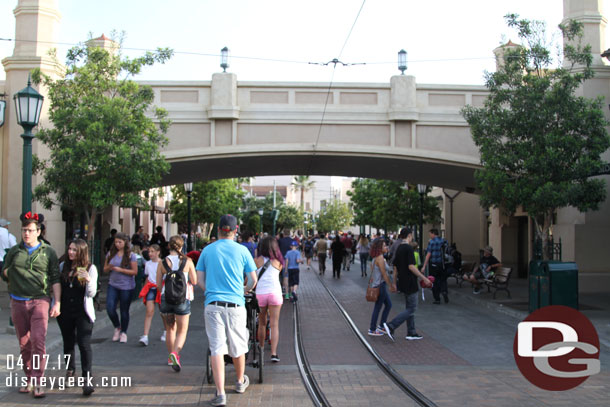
(466, 354)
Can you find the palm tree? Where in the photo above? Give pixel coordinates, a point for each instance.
(302, 183)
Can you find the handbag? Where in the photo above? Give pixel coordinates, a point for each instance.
(372, 293)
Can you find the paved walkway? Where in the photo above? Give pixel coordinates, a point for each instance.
(465, 356)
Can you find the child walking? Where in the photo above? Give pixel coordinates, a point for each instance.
(293, 258)
(149, 291)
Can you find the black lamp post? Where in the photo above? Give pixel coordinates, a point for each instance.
(224, 59)
(402, 61)
(188, 187)
(28, 105)
(421, 188)
(260, 218)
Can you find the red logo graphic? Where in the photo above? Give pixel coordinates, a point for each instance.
(556, 348)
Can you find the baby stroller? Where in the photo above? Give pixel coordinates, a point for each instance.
(254, 356)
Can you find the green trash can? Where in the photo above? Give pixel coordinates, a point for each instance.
(553, 283)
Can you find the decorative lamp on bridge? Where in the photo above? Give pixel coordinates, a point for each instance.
(28, 105)
(188, 187)
(402, 61)
(422, 189)
(224, 59)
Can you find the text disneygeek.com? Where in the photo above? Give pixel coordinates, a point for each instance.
(60, 383)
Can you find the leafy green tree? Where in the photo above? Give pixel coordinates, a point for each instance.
(209, 201)
(539, 142)
(334, 216)
(302, 183)
(104, 146)
(389, 204)
(289, 217)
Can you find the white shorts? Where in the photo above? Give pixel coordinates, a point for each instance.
(226, 329)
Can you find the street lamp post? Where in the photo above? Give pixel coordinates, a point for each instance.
(224, 59)
(421, 188)
(402, 61)
(260, 217)
(188, 187)
(28, 105)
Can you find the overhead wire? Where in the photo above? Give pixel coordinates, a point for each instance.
(289, 61)
(328, 92)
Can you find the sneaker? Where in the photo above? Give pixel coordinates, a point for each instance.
(117, 333)
(169, 362)
(413, 337)
(476, 290)
(219, 400)
(123, 336)
(375, 332)
(294, 297)
(241, 387)
(381, 329)
(144, 340)
(163, 337)
(175, 358)
(275, 358)
(388, 331)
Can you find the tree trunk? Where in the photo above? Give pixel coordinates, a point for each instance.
(544, 226)
(91, 227)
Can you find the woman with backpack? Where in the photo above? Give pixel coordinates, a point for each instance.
(122, 265)
(269, 291)
(78, 287)
(177, 277)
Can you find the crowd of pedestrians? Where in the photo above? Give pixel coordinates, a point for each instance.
(225, 270)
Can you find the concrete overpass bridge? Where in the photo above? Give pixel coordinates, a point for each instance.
(403, 131)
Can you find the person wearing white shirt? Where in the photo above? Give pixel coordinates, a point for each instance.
(7, 239)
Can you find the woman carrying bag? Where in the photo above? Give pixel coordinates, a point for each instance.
(380, 279)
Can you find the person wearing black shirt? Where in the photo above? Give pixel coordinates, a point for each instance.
(488, 265)
(337, 249)
(408, 275)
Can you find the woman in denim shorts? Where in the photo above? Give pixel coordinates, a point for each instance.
(176, 317)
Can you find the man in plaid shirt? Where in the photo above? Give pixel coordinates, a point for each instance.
(434, 257)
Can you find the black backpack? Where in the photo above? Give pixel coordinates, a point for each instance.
(175, 284)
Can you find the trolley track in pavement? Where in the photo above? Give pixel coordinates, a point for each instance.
(316, 393)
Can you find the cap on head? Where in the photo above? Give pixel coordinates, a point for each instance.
(4, 222)
(488, 249)
(228, 223)
(294, 243)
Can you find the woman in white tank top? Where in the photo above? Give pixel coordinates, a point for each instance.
(269, 291)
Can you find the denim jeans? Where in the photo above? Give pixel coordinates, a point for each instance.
(382, 300)
(407, 315)
(123, 298)
(364, 258)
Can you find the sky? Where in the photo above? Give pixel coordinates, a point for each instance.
(447, 41)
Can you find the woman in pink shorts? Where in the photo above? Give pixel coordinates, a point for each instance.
(270, 264)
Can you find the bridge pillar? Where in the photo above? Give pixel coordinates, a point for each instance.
(224, 97)
(403, 98)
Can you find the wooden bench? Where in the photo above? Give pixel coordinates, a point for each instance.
(499, 281)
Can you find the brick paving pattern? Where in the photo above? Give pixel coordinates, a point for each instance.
(465, 358)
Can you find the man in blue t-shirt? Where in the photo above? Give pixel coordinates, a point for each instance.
(293, 258)
(221, 269)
